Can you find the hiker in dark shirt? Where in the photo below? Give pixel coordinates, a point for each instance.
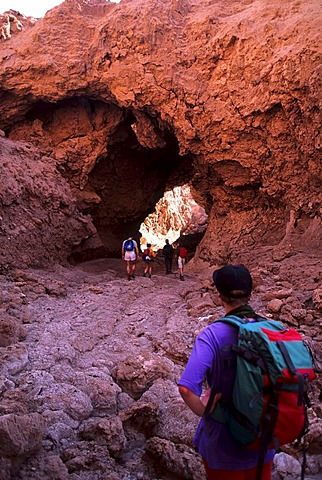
(222, 456)
(168, 252)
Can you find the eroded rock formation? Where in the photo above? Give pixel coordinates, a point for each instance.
(103, 108)
(176, 215)
(40, 222)
(9, 23)
(150, 95)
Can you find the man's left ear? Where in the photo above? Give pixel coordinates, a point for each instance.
(216, 298)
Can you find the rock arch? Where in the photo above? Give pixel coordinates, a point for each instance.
(118, 161)
(229, 89)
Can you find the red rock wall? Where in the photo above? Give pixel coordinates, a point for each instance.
(40, 223)
(233, 87)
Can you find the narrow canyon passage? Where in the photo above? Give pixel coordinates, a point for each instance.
(106, 111)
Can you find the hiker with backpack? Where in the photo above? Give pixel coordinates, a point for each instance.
(148, 258)
(168, 252)
(182, 256)
(258, 374)
(130, 253)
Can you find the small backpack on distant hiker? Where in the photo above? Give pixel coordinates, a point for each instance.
(129, 245)
(146, 255)
(268, 407)
(183, 252)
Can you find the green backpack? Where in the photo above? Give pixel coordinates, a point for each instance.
(270, 392)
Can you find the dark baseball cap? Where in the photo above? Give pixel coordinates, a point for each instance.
(233, 281)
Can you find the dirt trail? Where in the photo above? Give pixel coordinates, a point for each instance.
(95, 342)
(100, 364)
(102, 312)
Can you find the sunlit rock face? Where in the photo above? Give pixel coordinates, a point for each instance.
(175, 214)
(223, 96)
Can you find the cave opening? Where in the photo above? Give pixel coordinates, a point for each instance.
(119, 162)
(129, 181)
(140, 166)
(178, 218)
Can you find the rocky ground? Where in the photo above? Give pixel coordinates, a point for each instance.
(90, 361)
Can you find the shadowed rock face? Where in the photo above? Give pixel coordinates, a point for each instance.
(135, 98)
(39, 220)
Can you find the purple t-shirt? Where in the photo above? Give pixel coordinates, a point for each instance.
(212, 439)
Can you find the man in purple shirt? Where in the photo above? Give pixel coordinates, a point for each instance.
(211, 359)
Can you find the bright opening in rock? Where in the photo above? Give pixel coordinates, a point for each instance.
(176, 216)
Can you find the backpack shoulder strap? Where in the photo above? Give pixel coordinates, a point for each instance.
(234, 320)
(242, 319)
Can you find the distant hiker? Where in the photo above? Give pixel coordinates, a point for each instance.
(148, 258)
(182, 259)
(130, 254)
(168, 252)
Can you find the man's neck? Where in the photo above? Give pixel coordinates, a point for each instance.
(239, 310)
